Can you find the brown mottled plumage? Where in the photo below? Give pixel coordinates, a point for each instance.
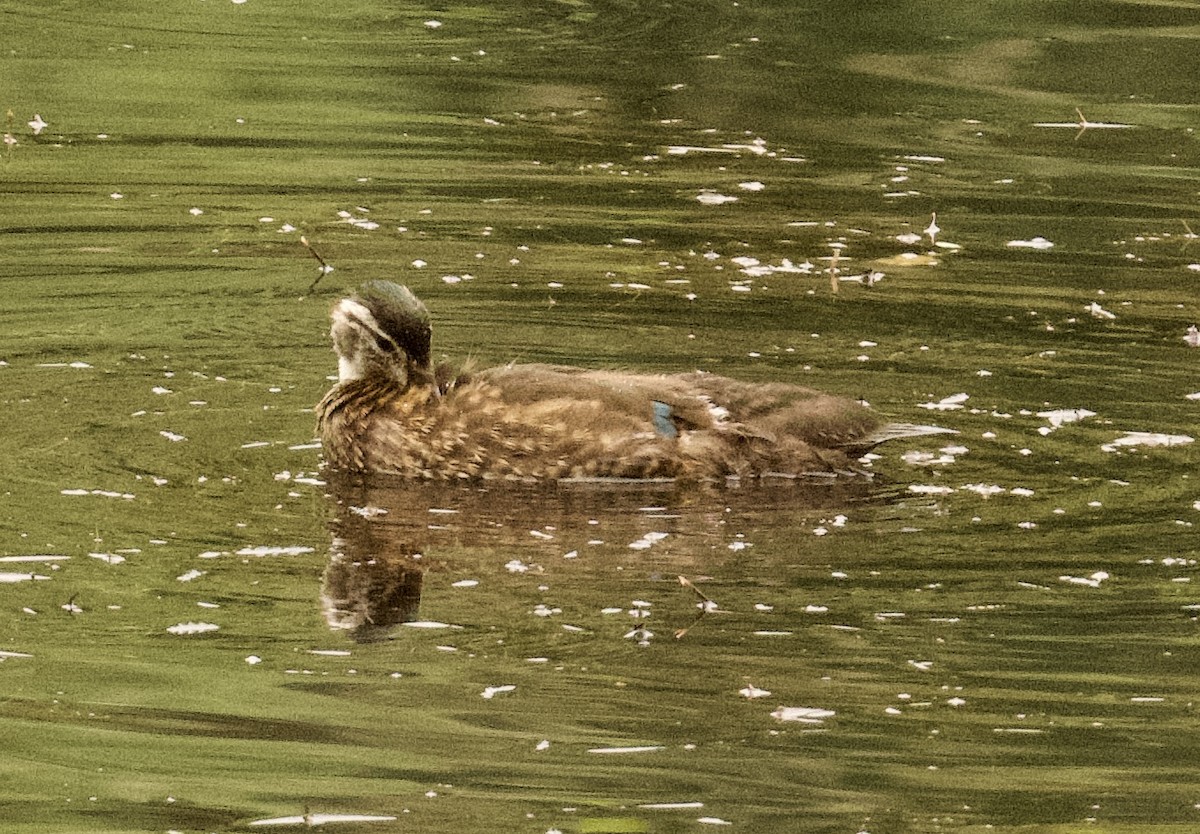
(392, 411)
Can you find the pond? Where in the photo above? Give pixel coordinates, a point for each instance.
(982, 217)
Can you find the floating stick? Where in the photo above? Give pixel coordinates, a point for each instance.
(706, 606)
(10, 141)
(325, 268)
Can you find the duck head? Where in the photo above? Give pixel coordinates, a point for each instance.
(382, 331)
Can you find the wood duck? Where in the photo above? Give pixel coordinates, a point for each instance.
(393, 411)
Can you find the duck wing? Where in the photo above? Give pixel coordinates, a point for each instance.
(662, 403)
(777, 410)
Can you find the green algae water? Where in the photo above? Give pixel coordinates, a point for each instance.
(980, 217)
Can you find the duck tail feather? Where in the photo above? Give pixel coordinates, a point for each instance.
(900, 431)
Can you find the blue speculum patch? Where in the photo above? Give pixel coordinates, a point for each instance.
(662, 420)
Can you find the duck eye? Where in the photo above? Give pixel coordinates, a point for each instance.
(386, 344)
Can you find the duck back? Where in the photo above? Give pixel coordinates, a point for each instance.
(552, 422)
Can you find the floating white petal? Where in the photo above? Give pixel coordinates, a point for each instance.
(271, 550)
(1032, 243)
(671, 806)
(12, 578)
(1145, 438)
(929, 489)
(1092, 581)
(1061, 416)
(950, 403)
(804, 715)
(647, 748)
(193, 628)
(321, 819)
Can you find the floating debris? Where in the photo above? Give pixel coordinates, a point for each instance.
(950, 403)
(647, 748)
(1039, 243)
(1083, 124)
(8, 578)
(311, 820)
(671, 806)
(110, 558)
(490, 692)
(924, 459)
(803, 715)
(932, 230)
(909, 259)
(1145, 438)
(647, 540)
(360, 222)
(1092, 581)
(193, 628)
(758, 148)
(756, 269)
(274, 550)
(711, 198)
(1099, 312)
(104, 493)
(1061, 416)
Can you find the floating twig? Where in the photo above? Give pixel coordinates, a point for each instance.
(706, 605)
(10, 140)
(932, 230)
(1084, 124)
(1188, 236)
(325, 268)
(687, 583)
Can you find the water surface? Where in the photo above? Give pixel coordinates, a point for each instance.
(997, 633)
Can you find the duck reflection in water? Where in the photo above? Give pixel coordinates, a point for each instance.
(390, 532)
(373, 580)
